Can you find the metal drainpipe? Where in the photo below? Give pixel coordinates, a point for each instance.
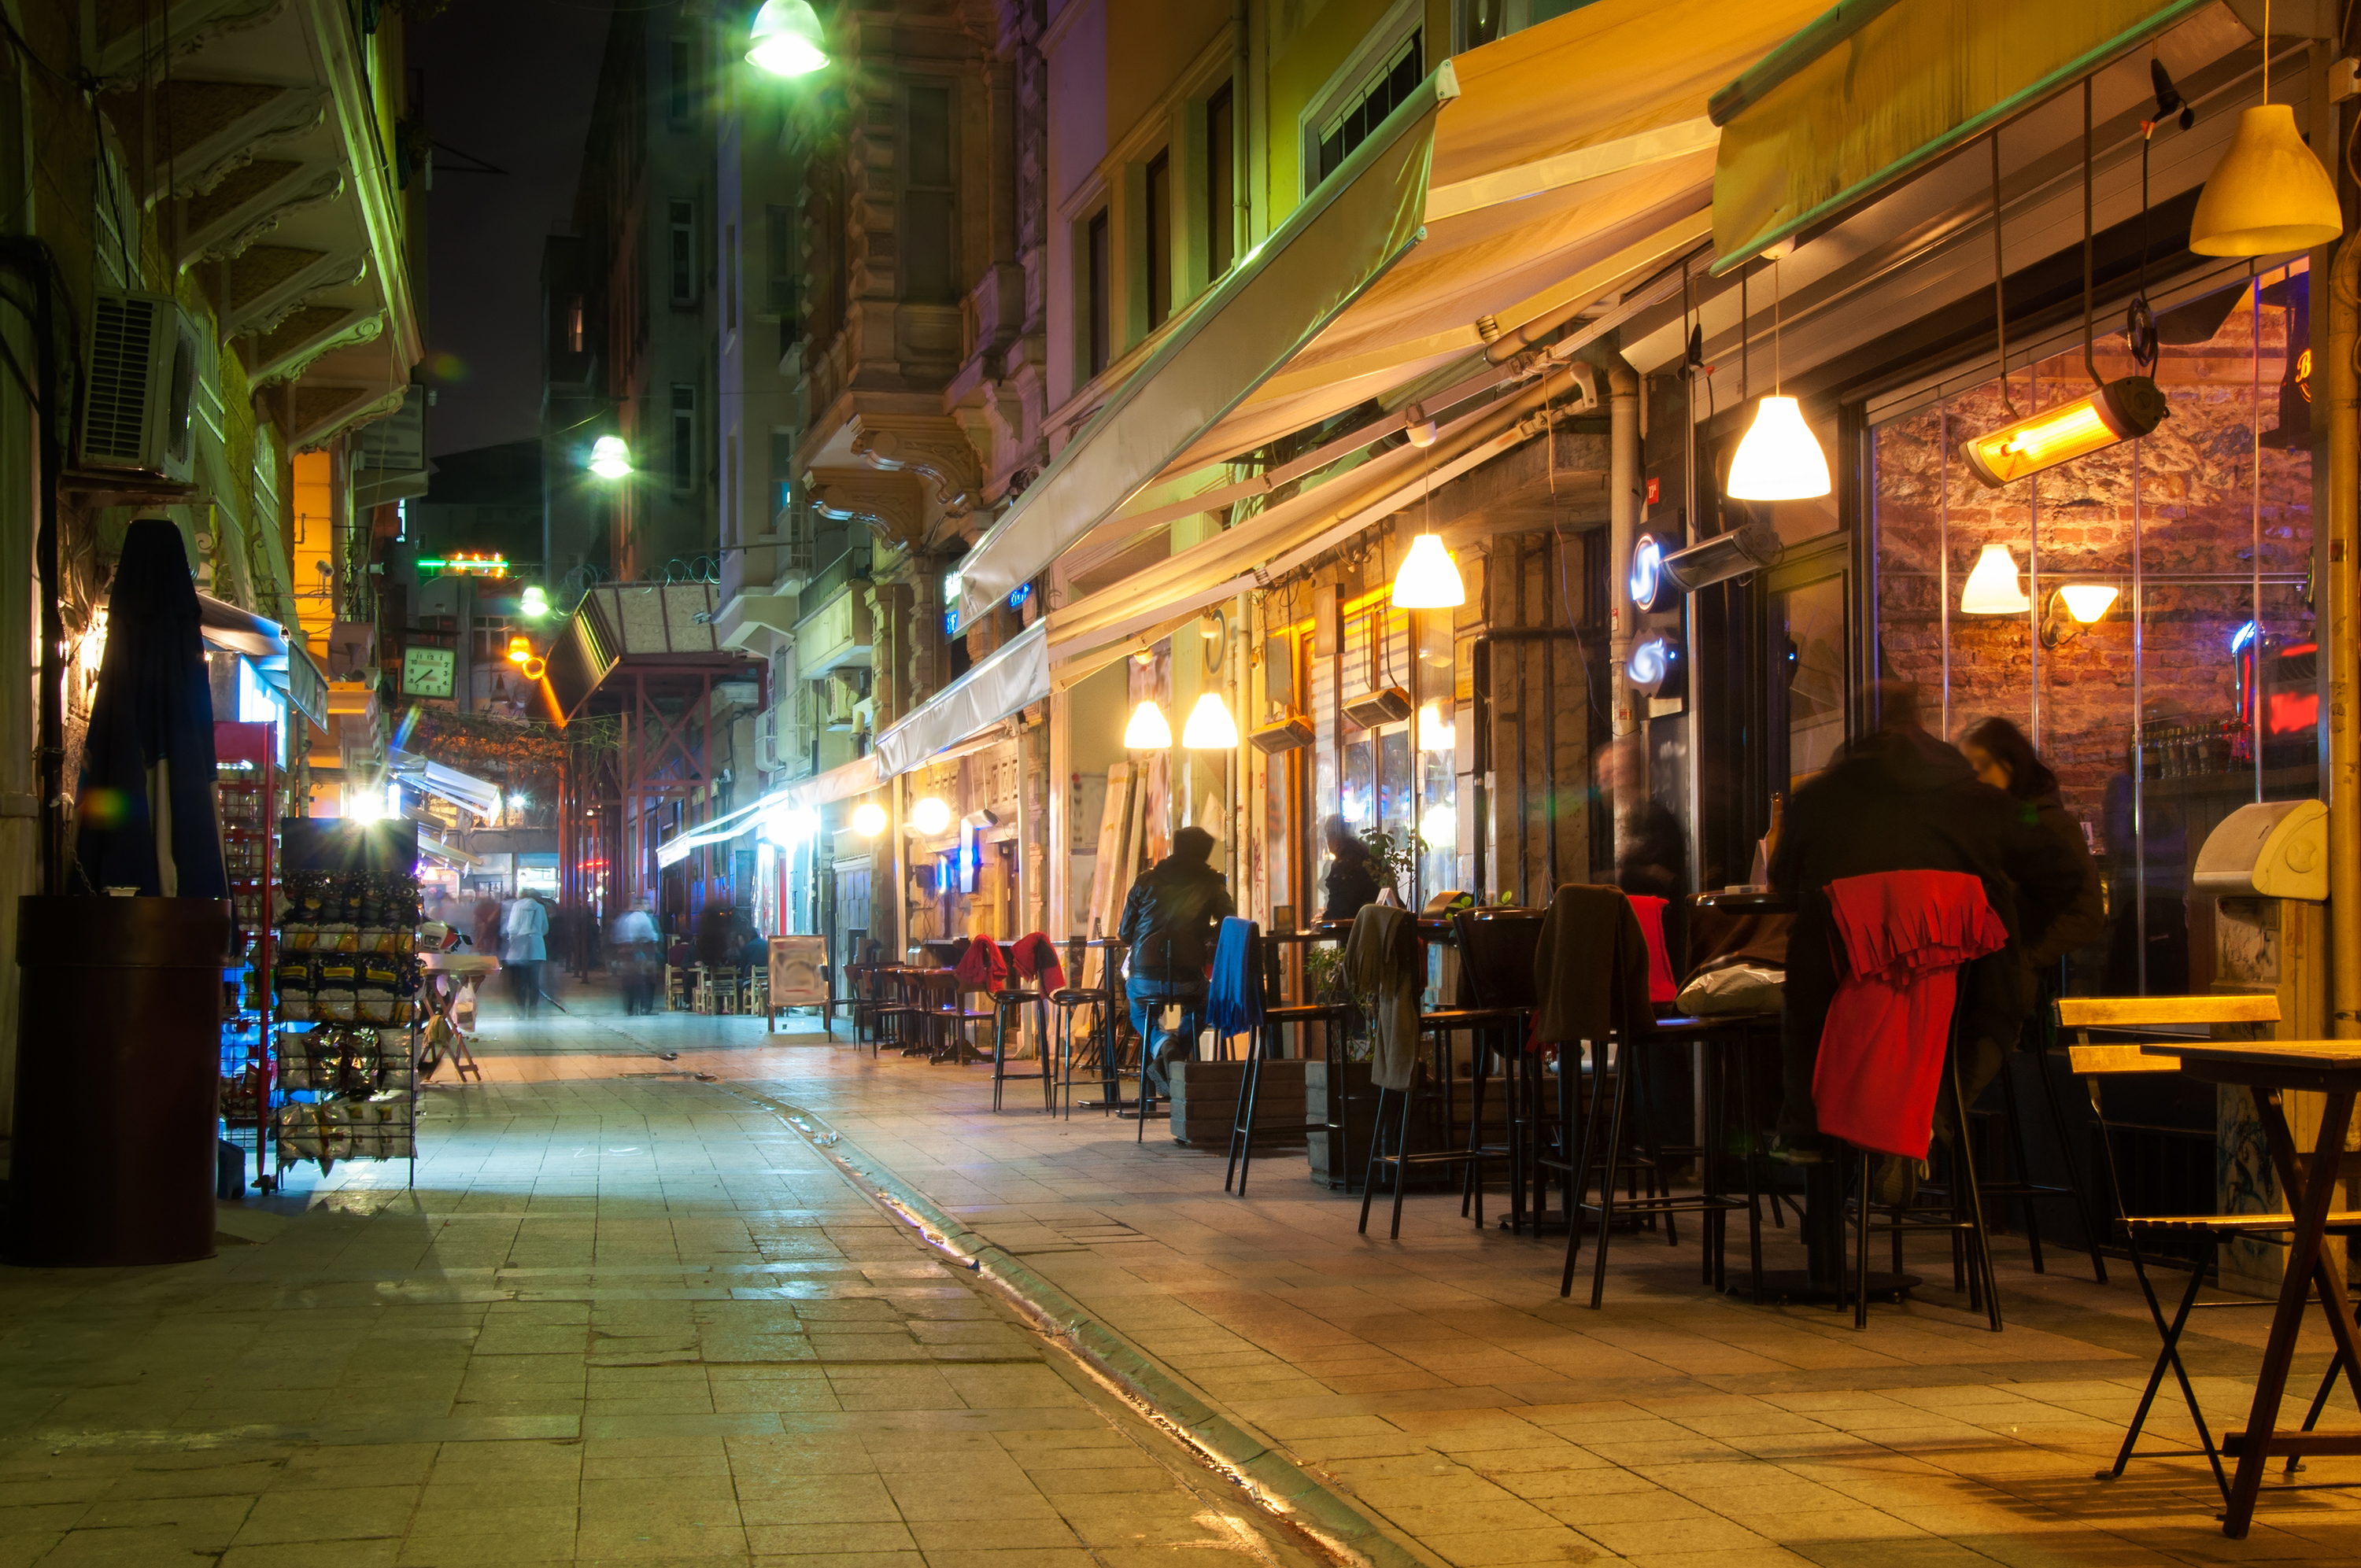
(1623, 524)
(2344, 744)
(1241, 157)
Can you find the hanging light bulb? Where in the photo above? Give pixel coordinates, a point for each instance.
(930, 816)
(1147, 730)
(869, 819)
(1780, 460)
(1210, 726)
(1991, 588)
(785, 38)
(1428, 580)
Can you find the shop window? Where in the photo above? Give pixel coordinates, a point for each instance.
(1159, 189)
(2194, 690)
(928, 233)
(1363, 105)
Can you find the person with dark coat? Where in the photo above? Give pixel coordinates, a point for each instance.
(1352, 879)
(2004, 759)
(1899, 799)
(1169, 918)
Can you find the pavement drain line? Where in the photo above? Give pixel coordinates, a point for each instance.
(1275, 1482)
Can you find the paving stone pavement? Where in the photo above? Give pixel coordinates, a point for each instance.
(628, 1316)
(622, 1320)
(1441, 1384)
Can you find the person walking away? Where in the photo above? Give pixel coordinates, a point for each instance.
(486, 932)
(1169, 918)
(1352, 879)
(635, 957)
(522, 948)
(1899, 799)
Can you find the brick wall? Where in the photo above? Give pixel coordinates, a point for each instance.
(2196, 529)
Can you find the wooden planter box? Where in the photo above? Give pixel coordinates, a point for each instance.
(1205, 1100)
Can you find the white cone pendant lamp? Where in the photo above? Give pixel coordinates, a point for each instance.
(1210, 726)
(1991, 588)
(785, 38)
(1428, 578)
(1780, 460)
(2268, 195)
(1147, 730)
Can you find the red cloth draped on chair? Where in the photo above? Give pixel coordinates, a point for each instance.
(1905, 935)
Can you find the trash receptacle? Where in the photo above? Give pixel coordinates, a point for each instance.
(118, 1080)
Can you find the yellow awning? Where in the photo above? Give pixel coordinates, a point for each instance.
(1528, 178)
(1577, 158)
(1875, 89)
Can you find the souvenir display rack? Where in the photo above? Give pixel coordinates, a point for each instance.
(246, 799)
(345, 982)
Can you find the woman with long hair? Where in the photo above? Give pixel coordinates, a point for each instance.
(2004, 759)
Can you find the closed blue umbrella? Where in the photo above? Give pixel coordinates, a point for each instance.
(146, 791)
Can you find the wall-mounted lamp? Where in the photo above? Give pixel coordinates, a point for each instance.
(931, 816)
(869, 819)
(2072, 608)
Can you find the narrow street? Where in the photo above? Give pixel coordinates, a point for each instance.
(631, 1315)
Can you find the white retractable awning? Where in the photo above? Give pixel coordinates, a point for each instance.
(1010, 679)
(1529, 179)
(856, 777)
(460, 789)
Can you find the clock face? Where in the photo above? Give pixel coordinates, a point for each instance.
(426, 672)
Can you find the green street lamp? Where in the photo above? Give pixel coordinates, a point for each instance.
(609, 458)
(785, 38)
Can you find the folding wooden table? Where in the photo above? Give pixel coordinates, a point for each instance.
(2267, 1067)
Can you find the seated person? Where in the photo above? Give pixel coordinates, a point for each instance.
(755, 952)
(1352, 879)
(1169, 920)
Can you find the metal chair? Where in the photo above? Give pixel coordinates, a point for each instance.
(1160, 994)
(1074, 1045)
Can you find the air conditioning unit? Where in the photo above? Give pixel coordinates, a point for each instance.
(767, 740)
(142, 361)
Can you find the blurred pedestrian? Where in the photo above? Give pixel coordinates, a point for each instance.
(635, 957)
(1352, 879)
(522, 948)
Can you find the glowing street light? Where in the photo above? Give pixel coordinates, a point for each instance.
(609, 458)
(785, 38)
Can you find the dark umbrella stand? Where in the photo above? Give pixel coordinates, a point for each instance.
(119, 1038)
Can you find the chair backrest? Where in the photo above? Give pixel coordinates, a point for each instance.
(1496, 952)
(2165, 1011)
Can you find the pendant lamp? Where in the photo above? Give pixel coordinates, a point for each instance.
(1991, 588)
(1428, 580)
(930, 816)
(1148, 731)
(2268, 195)
(869, 819)
(1780, 460)
(1210, 727)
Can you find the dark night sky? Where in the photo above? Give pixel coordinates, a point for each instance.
(509, 81)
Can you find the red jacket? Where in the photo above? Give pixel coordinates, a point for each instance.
(983, 967)
(1904, 935)
(1035, 958)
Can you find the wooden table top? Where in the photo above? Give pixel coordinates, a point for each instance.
(2343, 1056)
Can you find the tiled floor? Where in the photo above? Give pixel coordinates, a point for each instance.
(1441, 1383)
(622, 1319)
(628, 1316)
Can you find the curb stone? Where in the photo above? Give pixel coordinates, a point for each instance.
(1280, 1484)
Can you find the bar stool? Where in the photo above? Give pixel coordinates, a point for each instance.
(1437, 1026)
(1002, 1004)
(1158, 995)
(1244, 1129)
(1073, 1046)
(1496, 968)
(1961, 1193)
(2020, 1185)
